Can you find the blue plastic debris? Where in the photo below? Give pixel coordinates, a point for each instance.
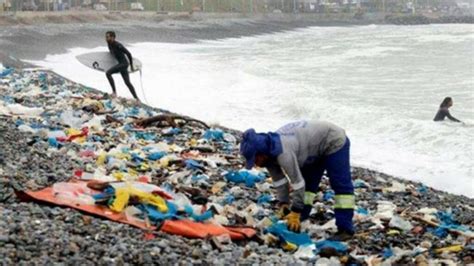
(214, 134)
(53, 143)
(197, 178)
(172, 131)
(229, 199)
(338, 246)
(264, 198)
(281, 231)
(133, 111)
(198, 217)
(145, 135)
(447, 223)
(8, 99)
(108, 104)
(422, 189)
(358, 183)
(328, 195)
(387, 253)
(193, 165)
(156, 155)
(156, 216)
(136, 158)
(6, 72)
(244, 176)
(362, 211)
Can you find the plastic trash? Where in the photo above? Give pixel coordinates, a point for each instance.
(68, 118)
(156, 155)
(336, 245)
(264, 198)
(385, 210)
(244, 176)
(359, 183)
(193, 165)
(6, 72)
(328, 195)
(214, 134)
(26, 128)
(306, 252)
(18, 109)
(280, 230)
(77, 193)
(397, 222)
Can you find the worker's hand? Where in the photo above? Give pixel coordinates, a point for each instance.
(293, 221)
(132, 68)
(283, 210)
(114, 95)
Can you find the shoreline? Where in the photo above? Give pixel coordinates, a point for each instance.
(36, 35)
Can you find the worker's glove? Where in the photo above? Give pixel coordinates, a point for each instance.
(283, 210)
(132, 68)
(293, 221)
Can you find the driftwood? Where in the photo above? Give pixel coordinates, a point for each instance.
(169, 119)
(435, 224)
(110, 119)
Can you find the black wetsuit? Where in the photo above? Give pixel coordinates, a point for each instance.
(119, 52)
(443, 112)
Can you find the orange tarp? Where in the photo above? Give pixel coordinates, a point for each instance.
(186, 228)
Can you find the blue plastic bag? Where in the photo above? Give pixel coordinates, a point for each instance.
(193, 165)
(244, 176)
(214, 134)
(338, 246)
(328, 195)
(198, 217)
(281, 231)
(6, 72)
(264, 198)
(156, 155)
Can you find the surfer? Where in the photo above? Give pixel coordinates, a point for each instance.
(119, 51)
(443, 111)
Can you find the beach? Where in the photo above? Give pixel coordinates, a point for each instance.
(37, 233)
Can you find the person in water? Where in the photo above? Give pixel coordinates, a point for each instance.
(119, 51)
(443, 111)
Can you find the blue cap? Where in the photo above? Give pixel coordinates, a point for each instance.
(264, 143)
(247, 147)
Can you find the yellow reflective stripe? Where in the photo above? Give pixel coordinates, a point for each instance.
(309, 198)
(344, 202)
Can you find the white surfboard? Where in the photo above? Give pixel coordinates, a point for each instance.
(103, 61)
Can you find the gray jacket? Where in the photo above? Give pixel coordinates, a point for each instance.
(302, 141)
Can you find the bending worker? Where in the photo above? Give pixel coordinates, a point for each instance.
(303, 151)
(119, 51)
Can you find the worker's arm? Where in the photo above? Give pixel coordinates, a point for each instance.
(452, 118)
(280, 183)
(127, 52)
(289, 164)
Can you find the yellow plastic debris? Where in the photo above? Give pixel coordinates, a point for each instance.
(393, 232)
(144, 167)
(455, 248)
(123, 156)
(118, 176)
(165, 161)
(72, 131)
(132, 172)
(289, 246)
(122, 196)
(101, 158)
